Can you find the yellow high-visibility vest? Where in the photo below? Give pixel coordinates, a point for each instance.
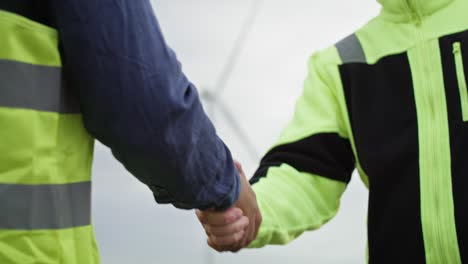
(45, 153)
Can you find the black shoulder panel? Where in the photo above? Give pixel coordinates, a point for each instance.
(37, 10)
(382, 111)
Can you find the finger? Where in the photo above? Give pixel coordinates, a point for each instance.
(246, 229)
(252, 234)
(220, 218)
(229, 229)
(228, 241)
(258, 223)
(240, 245)
(236, 248)
(199, 214)
(248, 232)
(233, 249)
(213, 246)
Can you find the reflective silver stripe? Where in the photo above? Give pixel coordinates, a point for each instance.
(350, 50)
(34, 87)
(32, 207)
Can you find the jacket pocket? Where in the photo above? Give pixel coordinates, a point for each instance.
(462, 86)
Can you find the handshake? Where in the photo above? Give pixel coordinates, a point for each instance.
(237, 227)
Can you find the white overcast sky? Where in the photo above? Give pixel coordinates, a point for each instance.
(261, 93)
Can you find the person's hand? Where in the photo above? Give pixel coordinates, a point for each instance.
(236, 227)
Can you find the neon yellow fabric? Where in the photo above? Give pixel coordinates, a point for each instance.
(293, 202)
(42, 148)
(461, 78)
(31, 42)
(316, 110)
(437, 208)
(64, 246)
(397, 10)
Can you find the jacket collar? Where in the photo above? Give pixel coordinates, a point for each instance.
(405, 10)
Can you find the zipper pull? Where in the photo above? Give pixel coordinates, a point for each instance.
(456, 47)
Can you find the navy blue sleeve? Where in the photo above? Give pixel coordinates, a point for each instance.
(136, 100)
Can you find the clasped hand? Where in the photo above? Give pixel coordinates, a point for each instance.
(237, 227)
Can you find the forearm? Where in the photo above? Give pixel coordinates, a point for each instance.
(135, 99)
(292, 203)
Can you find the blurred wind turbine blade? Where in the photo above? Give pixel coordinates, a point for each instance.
(243, 136)
(239, 45)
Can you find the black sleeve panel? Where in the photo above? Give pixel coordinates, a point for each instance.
(327, 155)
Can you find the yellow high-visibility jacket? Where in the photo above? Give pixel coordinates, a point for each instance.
(390, 100)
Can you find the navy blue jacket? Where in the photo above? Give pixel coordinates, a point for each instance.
(136, 100)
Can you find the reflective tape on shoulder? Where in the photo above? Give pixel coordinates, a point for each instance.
(35, 207)
(350, 50)
(35, 87)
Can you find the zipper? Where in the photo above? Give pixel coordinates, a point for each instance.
(416, 18)
(438, 250)
(460, 69)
